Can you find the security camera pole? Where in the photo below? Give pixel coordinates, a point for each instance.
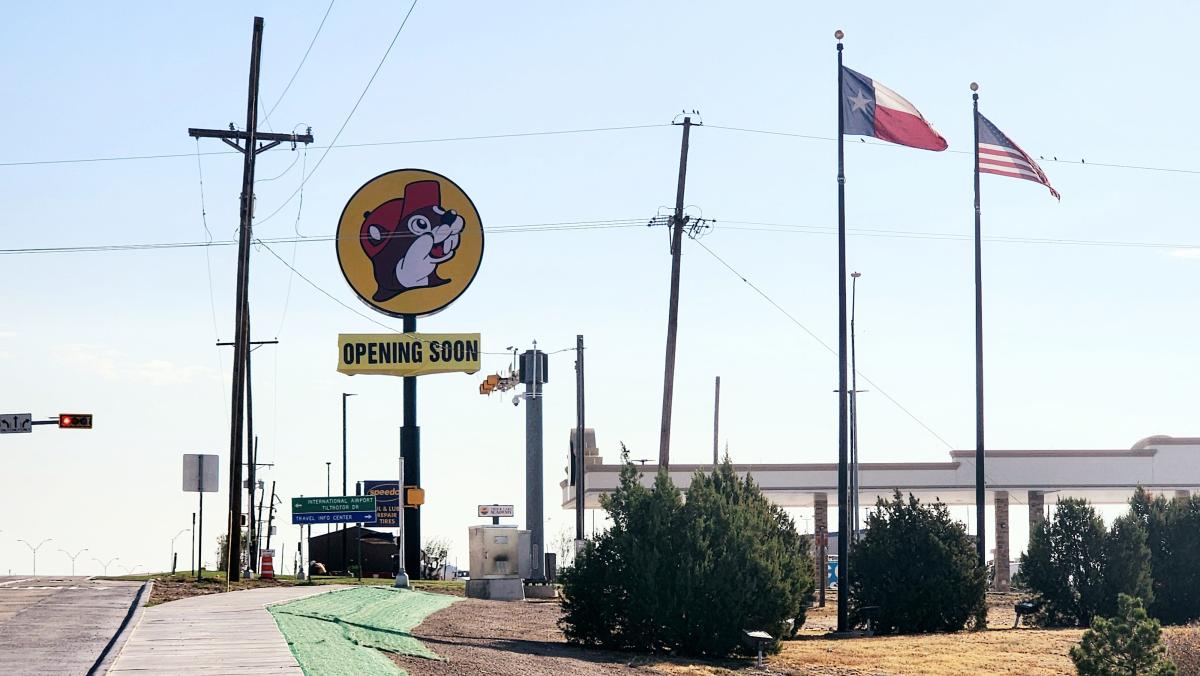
(533, 375)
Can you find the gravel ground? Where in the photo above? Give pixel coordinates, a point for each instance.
(479, 638)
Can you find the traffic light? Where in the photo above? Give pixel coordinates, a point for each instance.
(489, 384)
(75, 421)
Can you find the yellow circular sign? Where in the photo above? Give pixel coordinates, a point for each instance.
(409, 242)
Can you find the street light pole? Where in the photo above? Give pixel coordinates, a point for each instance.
(73, 557)
(327, 493)
(854, 488)
(106, 565)
(172, 559)
(35, 551)
(345, 395)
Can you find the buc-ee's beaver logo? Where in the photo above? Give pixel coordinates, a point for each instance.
(409, 242)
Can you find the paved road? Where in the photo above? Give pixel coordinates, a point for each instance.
(58, 625)
(224, 634)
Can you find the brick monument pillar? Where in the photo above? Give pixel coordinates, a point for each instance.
(1001, 561)
(1037, 510)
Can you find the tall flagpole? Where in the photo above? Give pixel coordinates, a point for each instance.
(843, 412)
(980, 497)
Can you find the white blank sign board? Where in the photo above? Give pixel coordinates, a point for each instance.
(199, 473)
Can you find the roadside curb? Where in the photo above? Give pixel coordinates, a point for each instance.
(117, 643)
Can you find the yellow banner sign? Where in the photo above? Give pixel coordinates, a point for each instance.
(408, 354)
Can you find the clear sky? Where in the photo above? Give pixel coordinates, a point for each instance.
(1088, 345)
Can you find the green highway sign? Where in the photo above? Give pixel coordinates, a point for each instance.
(337, 503)
(339, 509)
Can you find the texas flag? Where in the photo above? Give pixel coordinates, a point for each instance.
(870, 109)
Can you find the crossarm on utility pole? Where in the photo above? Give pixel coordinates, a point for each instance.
(241, 135)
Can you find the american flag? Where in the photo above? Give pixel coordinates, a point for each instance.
(999, 155)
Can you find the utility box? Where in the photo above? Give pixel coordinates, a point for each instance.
(499, 558)
(495, 552)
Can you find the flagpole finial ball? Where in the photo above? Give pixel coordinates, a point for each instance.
(974, 86)
(839, 34)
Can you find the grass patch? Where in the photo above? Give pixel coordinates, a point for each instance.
(343, 632)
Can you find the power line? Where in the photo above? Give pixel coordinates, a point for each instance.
(323, 291)
(267, 117)
(1052, 159)
(337, 300)
(823, 344)
(500, 230)
(349, 116)
(295, 248)
(916, 234)
(572, 226)
(367, 144)
(561, 132)
(212, 299)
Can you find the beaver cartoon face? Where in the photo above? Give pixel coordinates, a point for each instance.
(407, 238)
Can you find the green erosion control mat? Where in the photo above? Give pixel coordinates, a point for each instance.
(337, 634)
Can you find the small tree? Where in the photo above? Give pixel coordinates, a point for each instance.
(619, 583)
(918, 566)
(1171, 527)
(223, 552)
(740, 557)
(1064, 564)
(1079, 570)
(688, 578)
(1126, 565)
(433, 557)
(1129, 644)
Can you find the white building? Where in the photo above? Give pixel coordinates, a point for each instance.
(1160, 464)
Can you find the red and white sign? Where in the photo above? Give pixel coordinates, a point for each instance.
(267, 569)
(496, 510)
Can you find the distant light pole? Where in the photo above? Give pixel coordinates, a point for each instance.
(128, 570)
(35, 551)
(854, 487)
(345, 396)
(172, 562)
(327, 493)
(73, 557)
(106, 565)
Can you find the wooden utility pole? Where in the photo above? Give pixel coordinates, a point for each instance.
(253, 465)
(677, 222)
(271, 515)
(241, 347)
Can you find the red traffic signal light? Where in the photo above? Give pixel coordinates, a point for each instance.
(75, 421)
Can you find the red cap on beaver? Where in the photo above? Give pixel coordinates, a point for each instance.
(390, 216)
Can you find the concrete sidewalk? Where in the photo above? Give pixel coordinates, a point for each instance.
(229, 633)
